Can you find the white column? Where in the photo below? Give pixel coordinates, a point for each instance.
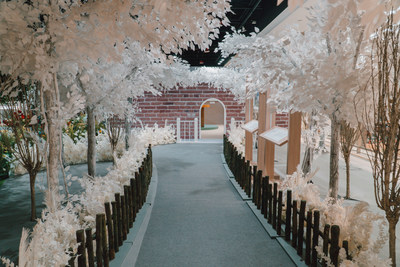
(178, 130)
(196, 129)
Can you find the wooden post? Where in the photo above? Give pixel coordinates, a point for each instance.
(288, 214)
(259, 178)
(270, 193)
(279, 217)
(248, 170)
(115, 225)
(294, 224)
(248, 135)
(80, 239)
(269, 156)
(262, 122)
(133, 189)
(123, 218)
(99, 243)
(334, 250)
(274, 205)
(314, 260)
(89, 245)
(118, 206)
(127, 208)
(106, 259)
(138, 190)
(308, 238)
(293, 151)
(300, 233)
(267, 196)
(264, 198)
(110, 230)
(325, 243)
(254, 175)
(202, 116)
(346, 248)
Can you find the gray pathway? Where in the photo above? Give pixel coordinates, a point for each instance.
(198, 219)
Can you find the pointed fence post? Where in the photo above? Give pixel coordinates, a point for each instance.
(89, 246)
(196, 129)
(288, 214)
(178, 130)
(80, 238)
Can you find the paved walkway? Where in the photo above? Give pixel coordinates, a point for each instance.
(198, 219)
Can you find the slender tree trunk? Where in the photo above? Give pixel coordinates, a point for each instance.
(53, 139)
(127, 132)
(32, 178)
(91, 135)
(114, 158)
(347, 160)
(392, 239)
(334, 158)
(307, 160)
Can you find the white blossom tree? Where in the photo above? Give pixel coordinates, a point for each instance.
(312, 70)
(38, 36)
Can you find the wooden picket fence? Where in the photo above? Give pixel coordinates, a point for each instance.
(290, 219)
(113, 227)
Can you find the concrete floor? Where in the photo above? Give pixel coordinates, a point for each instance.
(15, 205)
(198, 219)
(213, 134)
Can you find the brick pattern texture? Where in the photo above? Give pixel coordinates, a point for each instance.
(184, 103)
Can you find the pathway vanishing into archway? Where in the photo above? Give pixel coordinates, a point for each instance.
(198, 219)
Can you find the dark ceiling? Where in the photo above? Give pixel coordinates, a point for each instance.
(247, 15)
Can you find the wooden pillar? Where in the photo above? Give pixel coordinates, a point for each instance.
(249, 136)
(293, 151)
(262, 114)
(269, 146)
(202, 116)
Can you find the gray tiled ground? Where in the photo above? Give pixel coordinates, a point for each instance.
(198, 219)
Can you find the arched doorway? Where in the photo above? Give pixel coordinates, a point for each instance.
(212, 122)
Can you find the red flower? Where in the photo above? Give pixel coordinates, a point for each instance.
(22, 116)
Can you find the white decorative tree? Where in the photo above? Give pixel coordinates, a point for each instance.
(312, 70)
(38, 36)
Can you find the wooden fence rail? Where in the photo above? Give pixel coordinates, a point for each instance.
(113, 227)
(298, 227)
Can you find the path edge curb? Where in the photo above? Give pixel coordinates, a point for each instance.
(289, 250)
(129, 251)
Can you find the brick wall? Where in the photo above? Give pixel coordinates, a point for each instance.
(282, 120)
(185, 103)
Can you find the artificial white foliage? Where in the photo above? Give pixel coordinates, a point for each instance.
(236, 135)
(356, 222)
(53, 239)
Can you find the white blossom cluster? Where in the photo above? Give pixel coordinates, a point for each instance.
(236, 135)
(356, 222)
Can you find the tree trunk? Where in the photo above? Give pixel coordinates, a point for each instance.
(91, 135)
(127, 132)
(53, 139)
(392, 239)
(307, 160)
(334, 158)
(32, 178)
(347, 160)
